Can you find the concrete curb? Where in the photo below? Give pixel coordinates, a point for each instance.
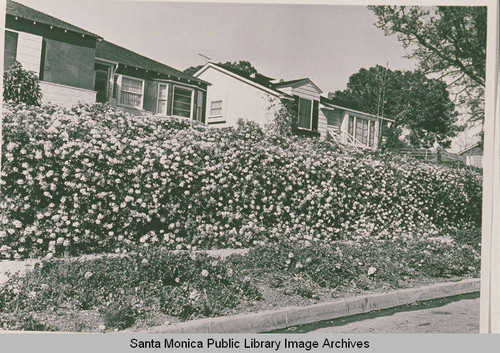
(270, 320)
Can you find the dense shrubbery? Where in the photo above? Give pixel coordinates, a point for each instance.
(94, 180)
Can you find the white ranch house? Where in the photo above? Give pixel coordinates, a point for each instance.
(234, 94)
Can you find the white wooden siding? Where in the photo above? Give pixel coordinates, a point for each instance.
(239, 99)
(29, 51)
(306, 91)
(322, 124)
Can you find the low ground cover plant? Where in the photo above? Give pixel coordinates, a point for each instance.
(96, 180)
(125, 289)
(121, 292)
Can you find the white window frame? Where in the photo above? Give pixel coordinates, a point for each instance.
(158, 99)
(310, 115)
(354, 124)
(221, 109)
(119, 95)
(192, 100)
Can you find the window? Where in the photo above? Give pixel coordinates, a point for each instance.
(131, 92)
(183, 101)
(216, 108)
(162, 99)
(305, 113)
(199, 107)
(361, 130)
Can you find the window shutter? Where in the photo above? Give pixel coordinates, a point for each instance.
(315, 115)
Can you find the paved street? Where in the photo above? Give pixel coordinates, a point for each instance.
(439, 316)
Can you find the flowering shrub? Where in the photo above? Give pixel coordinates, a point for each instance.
(93, 179)
(21, 86)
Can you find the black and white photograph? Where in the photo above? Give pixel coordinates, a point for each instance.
(194, 167)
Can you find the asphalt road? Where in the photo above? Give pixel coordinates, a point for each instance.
(453, 315)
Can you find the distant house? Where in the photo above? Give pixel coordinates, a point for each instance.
(353, 127)
(473, 156)
(75, 65)
(234, 94)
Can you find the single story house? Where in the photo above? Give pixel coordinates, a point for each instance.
(75, 65)
(234, 94)
(473, 155)
(237, 94)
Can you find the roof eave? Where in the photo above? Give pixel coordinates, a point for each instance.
(82, 32)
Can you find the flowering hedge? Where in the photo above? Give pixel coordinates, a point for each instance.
(92, 179)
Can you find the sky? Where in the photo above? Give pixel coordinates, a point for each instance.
(326, 43)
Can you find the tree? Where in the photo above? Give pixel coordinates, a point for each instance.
(242, 65)
(21, 86)
(449, 41)
(416, 103)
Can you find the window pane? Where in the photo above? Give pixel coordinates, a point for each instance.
(162, 107)
(372, 133)
(216, 108)
(199, 106)
(350, 126)
(182, 102)
(362, 131)
(131, 99)
(305, 113)
(162, 91)
(130, 85)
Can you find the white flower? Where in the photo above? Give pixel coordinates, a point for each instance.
(88, 274)
(371, 271)
(204, 273)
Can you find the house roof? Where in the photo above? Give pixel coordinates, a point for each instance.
(295, 82)
(109, 51)
(259, 81)
(19, 10)
(336, 104)
(257, 78)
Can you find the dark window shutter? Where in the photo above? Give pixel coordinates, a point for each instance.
(315, 115)
(204, 108)
(10, 49)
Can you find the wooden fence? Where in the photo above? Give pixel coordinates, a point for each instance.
(435, 156)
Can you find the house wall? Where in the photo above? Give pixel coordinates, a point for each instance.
(150, 99)
(239, 100)
(68, 64)
(65, 58)
(65, 96)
